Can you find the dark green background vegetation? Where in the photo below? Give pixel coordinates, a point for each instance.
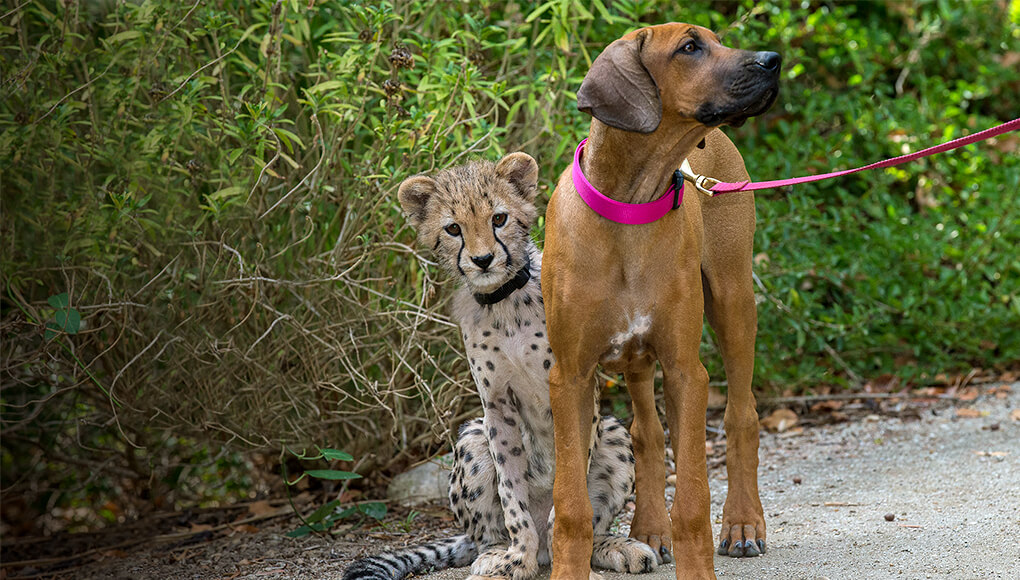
(201, 242)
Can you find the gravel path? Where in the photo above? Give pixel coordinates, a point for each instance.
(952, 483)
(950, 477)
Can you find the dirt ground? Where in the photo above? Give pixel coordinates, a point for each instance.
(948, 473)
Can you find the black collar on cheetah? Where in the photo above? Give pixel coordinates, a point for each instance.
(511, 286)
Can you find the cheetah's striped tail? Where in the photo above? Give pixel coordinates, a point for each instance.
(448, 553)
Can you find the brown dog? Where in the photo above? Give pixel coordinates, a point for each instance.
(625, 296)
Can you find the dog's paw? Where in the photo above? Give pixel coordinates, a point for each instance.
(742, 541)
(623, 555)
(504, 564)
(659, 544)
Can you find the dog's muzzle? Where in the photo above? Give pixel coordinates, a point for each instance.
(750, 91)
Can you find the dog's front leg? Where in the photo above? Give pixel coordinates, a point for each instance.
(570, 393)
(502, 424)
(650, 524)
(685, 390)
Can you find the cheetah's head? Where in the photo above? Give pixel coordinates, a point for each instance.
(476, 217)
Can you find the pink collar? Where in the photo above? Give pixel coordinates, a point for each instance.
(625, 213)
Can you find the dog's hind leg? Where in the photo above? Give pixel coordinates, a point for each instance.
(730, 307)
(733, 318)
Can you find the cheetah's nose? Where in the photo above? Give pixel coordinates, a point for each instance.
(482, 261)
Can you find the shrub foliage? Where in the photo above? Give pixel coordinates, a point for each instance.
(201, 242)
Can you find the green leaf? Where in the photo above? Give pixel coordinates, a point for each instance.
(122, 36)
(336, 455)
(59, 300)
(331, 474)
(375, 510)
(68, 321)
(538, 11)
(326, 86)
(323, 511)
(287, 136)
(226, 192)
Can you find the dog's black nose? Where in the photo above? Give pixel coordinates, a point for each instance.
(482, 261)
(769, 61)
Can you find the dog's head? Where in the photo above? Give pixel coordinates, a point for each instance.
(681, 72)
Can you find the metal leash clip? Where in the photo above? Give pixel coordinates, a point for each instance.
(698, 180)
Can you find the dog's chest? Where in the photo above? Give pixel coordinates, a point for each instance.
(629, 341)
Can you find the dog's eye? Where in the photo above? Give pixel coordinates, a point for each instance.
(499, 220)
(689, 47)
(453, 230)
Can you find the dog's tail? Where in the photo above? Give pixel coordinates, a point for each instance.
(447, 553)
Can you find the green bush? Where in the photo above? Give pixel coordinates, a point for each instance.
(210, 186)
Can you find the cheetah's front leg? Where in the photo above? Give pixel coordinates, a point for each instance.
(502, 426)
(610, 482)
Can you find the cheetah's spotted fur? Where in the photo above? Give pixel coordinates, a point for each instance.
(477, 218)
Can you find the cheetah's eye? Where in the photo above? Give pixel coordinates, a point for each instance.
(453, 230)
(499, 220)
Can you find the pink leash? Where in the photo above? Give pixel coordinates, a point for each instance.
(643, 213)
(726, 187)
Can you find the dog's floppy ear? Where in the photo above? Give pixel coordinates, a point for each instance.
(414, 194)
(522, 172)
(619, 91)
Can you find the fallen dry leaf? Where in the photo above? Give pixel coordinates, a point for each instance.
(991, 453)
(793, 432)
(196, 528)
(827, 406)
(246, 528)
(350, 495)
(1015, 415)
(968, 413)
(780, 420)
(968, 394)
(838, 417)
(261, 508)
(882, 384)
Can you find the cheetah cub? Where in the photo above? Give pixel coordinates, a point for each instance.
(477, 219)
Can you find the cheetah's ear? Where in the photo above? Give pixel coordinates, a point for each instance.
(522, 172)
(414, 194)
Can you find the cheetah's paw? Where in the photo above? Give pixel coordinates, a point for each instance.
(503, 564)
(623, 555)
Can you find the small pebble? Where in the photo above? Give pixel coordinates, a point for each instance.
(993, 427)
(890, 517)
(796, 481)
